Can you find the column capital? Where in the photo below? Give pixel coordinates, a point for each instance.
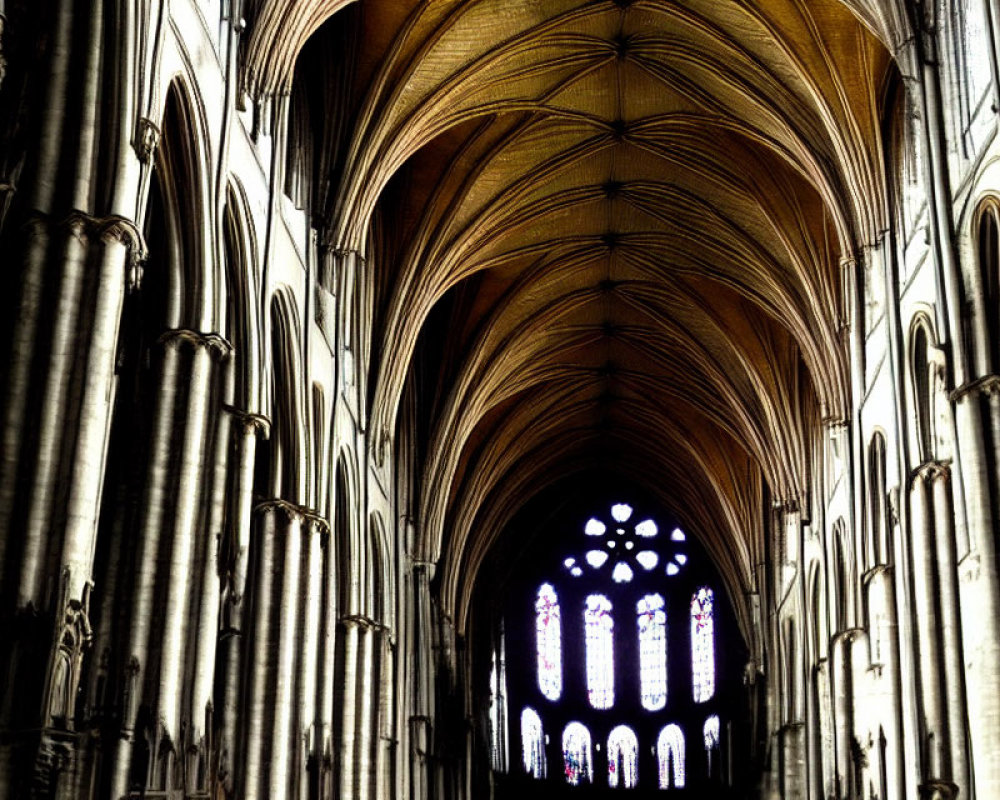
(987, 384)
(147, 139)
(931, 471)
(251, 422)
(938, 790)
(213, 342)
(360, 622)
(294, 512)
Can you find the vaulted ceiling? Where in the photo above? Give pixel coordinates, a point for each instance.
(626, 220)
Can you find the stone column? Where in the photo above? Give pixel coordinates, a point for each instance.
(350, 649)
(287, 619)
(259, 654)
(793, 761)
(186, 490)
(933, 735)
(367, 726)
(315, 536)
(951, 641)
(234, 622)
(980, 611)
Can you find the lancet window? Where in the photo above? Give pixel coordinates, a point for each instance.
(623, 758)
(702, 645)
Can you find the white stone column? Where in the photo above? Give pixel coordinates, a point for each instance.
(235, 623)
(347, 745)
(932, 732)
(368, 687)
(315, 532)
(258, 720)
(121, 246)
(186, 493)
(288, 618)
(951, 642)
(155, 498)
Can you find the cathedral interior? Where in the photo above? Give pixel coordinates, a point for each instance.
(472, 399)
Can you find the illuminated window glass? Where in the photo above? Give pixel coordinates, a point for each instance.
(702, 645)
(599, 628)
(652, 621)
(576, 754)
(623, 758)
(670, 754)
(532, 744)
(549, 642)
(712, 744)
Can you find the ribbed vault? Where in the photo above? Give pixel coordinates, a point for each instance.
(630, 218)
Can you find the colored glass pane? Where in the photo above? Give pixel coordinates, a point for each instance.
(599, 627)
(623, 758)
(576, 754)
(548, 630)
(532, 743)
(670, 755)
(652, 623)
(702, 645)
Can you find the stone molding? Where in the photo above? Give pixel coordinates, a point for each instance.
(987, 384)
(213, 342)
(250, 421)
(292, 511)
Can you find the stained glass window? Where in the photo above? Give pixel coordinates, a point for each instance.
(576, 754)
(652, 623)
(623, 758)
(670, 754)
(712, 743)
(532, 743)
(548, 630)
(702, 645)
(599, 627)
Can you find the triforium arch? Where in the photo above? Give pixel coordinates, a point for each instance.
(324, 316)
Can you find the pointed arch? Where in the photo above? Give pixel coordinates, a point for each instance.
(288, 419)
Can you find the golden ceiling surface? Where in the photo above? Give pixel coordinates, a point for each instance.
(639, 211)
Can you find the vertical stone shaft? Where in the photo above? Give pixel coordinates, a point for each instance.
(53, 402)
(147, 548)
(981, 616)
(366, 723)
(206, 561)
(187, 494)
(346, 765)
(928, 655)
(257, 720)
(327, 670)
(953, 687)
(287, 639)
(97, 401)
(235, 621)
(314, 533)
